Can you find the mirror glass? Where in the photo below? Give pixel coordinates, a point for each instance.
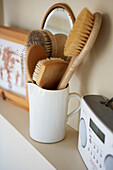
(59, 19)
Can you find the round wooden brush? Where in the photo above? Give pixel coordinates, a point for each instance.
(80, 41)
(45, 39)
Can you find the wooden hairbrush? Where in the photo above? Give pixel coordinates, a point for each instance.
(48, 72)
(80, 41)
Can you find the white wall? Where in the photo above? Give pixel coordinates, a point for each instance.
(95, 75)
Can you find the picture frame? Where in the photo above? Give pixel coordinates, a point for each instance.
(13, 66)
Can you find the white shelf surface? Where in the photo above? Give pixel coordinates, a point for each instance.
(63, 155)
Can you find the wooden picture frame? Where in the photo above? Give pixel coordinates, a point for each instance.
(12, 66)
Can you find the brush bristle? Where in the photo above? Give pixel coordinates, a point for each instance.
(39, 65)
(79, 34)
(40, 37)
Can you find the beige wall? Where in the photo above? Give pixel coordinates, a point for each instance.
(1, 12)
(95, 75)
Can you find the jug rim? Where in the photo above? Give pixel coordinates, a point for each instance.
(33, 84)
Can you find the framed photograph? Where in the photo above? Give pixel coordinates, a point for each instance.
(13, 66)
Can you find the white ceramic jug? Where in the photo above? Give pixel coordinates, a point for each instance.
(48, 113)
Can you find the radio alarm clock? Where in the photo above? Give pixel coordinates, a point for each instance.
(96, 133)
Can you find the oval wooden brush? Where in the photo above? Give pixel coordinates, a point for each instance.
(48, 72)
(44, 38)
(80, 41)
(34, 54)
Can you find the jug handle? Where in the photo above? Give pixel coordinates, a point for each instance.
(78, 108)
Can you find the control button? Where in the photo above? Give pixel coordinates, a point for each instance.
(93, 156)
(88, 148)
(90, 140)
(90, 136)
(97, 161)
(100, 166)
(101, 155)
(97, 150)
(94, 146)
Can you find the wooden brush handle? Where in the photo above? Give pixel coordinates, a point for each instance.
(75, 61)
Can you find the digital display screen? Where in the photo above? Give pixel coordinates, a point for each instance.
(97, 131)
